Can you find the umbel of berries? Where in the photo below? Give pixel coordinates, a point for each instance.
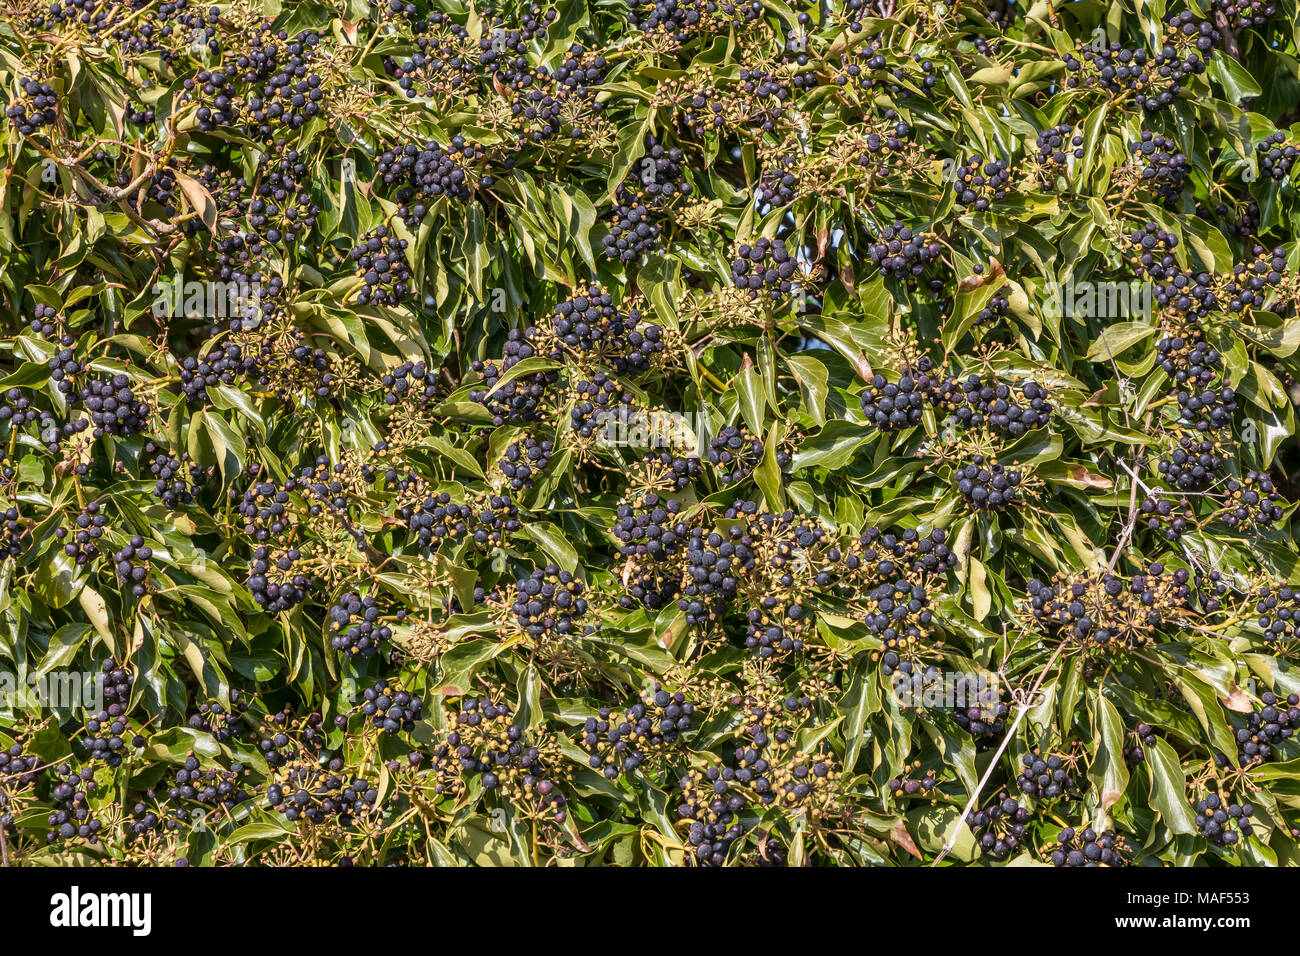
(71, 818)
(132, 564)
(423, 175)
(1163, 164)
(18, 770)
(1044, 776)
(988, 486)
(104, 738)
(1275, 721)
(38, 106)
(764, 266)
(549, 601)
(618, 746)
(391, 709)
(1055, 147)
(735, 452)
(1224, 824)
(279, 589)
(113, 407)
(1000, 826)
(1087, 847)
(380, 261)
(891, 406)
(901, 253)
(1276, 159)
(524, 460)
(1279, 613)
(979, 182)
(355, 627)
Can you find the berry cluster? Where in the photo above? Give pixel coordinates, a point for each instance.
(519, 400)
(1163, 165)
(484, 741)
(273, 582)
(1251, 502)
(113, 407)
(983, 719)
(291, 94)
(550, 602)
(72, 817)
(1276, 157)
(18, 771)
(598, 404)
(318, 795)
(592, 327)
(356, 628)
(913, 787)
(1208, 409)
(104, 735)
(735, 452)
(436, 519)
(898, 612)
(410, 380)
(1279, 613)
(890, 406)
(1155, 81)
(1045, 777)
(658, 178)
(1193, 464)
(90, 525)
(1087, 847)
(36, 107)
(1055, 147)
(902, 253)
(225, 724)
(1223, 824)
(524, 460)
(380, 261)
(225, 365)
(766, 265)
(976, 403)
(45, 323)
(988, 486)
(175, 479)
(1244, 14)
(779, 186)
(391, 709)
(1103, 608)
(713, 566)
(651, 536)
(979, 183)
(995, 309)
(132, 564)
(211, 787)
(1273, 723)
(1000, 826)
(281, 210)
(1246, 287)
(885, 553)
(647, 730)
(423, 175)
(1166, 517)
(713, 806)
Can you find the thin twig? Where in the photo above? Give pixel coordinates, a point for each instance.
(1025, 707)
